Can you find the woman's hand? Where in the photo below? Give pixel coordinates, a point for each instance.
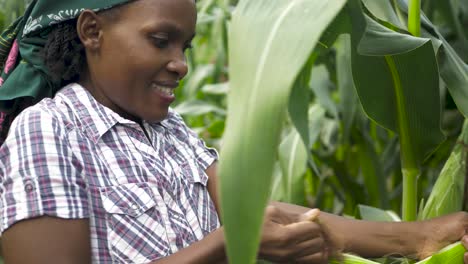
(292, 238)
(443, 231)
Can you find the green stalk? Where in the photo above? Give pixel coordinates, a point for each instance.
(410, 194)
(414, 18)
(410, 168)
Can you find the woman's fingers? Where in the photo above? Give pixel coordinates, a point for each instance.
(309, 247)
(302, 231)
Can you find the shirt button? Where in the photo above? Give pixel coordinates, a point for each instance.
(135, 207)
(28, 186)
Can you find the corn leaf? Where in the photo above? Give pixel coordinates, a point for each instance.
(372, 171)
(447, 194)
(322, 85)
(349, 100)
(376, 214)
(352, 259)
(293, 156)
(263, 69)
(394, 89)
(453, 70)
(383, 10)
(452, 254)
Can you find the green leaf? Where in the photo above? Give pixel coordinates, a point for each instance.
(348, 97)
(452, 254)
(299, 101)
(352, 259)
(375, 214)
(453, 70)
(383, 10)
(196, 79)
(293, 157)
(262, 75)
(378, 40)
(322, 86)
(372, 172)
(317, 117)
(395, 91)
(447, 194)
(216, 89)
(198, 107)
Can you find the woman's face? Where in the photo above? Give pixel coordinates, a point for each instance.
(137, 60)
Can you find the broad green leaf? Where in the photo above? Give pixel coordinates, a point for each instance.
(447, 194)
(316, 119)
(395, 91)
(329, 134)
(375, 214)
(299, 101)
(348, 97)
(322, 86)
(453, 70)
(198, 107)
(452, 254)
(383, 10)
(196, 79)
(293, 157)
(263, 69)
(381, 41)
(372, 172)
(398, 93)
(216, 89)
(352, 259)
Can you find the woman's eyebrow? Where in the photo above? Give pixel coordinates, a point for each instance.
(172, 28)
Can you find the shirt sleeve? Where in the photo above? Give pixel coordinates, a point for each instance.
(39, 174)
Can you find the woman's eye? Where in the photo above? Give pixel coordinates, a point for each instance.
(188, 46)
(160, 42)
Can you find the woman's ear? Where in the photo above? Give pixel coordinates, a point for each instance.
(89, 29)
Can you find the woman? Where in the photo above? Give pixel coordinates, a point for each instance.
(106, 172)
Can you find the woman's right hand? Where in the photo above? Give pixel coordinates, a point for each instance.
(292, 238)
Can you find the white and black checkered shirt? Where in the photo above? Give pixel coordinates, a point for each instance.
(73, 158)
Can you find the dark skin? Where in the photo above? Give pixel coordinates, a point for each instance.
(129, 60)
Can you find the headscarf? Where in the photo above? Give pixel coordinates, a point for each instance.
(24, 78)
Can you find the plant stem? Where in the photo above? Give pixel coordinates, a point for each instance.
(410, 187)
(414, 18)
(410, 168)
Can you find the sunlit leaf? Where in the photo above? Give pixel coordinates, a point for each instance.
(197, 107)
(375, 214)
(263, 69)
(447, 194)
(383, 10)
(293, 157)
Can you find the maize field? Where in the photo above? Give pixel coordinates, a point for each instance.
(356, 107)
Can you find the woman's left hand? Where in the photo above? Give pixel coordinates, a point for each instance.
(443, 231)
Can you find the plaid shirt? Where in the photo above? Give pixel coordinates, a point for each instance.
(71, 157)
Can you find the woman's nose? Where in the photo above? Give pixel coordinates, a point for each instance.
(178, 66)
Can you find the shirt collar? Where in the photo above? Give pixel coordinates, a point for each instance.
(97, 119)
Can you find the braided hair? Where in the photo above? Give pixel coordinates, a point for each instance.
(64, 54)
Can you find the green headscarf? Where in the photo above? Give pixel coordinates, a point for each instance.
(23, 75)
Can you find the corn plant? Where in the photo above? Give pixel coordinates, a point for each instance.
(394, 90)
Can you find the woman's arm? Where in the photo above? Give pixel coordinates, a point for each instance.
(47, 240)
(374, 239)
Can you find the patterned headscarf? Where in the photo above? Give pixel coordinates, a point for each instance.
(24, 78)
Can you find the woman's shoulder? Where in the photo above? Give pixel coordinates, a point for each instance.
(48, 114)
